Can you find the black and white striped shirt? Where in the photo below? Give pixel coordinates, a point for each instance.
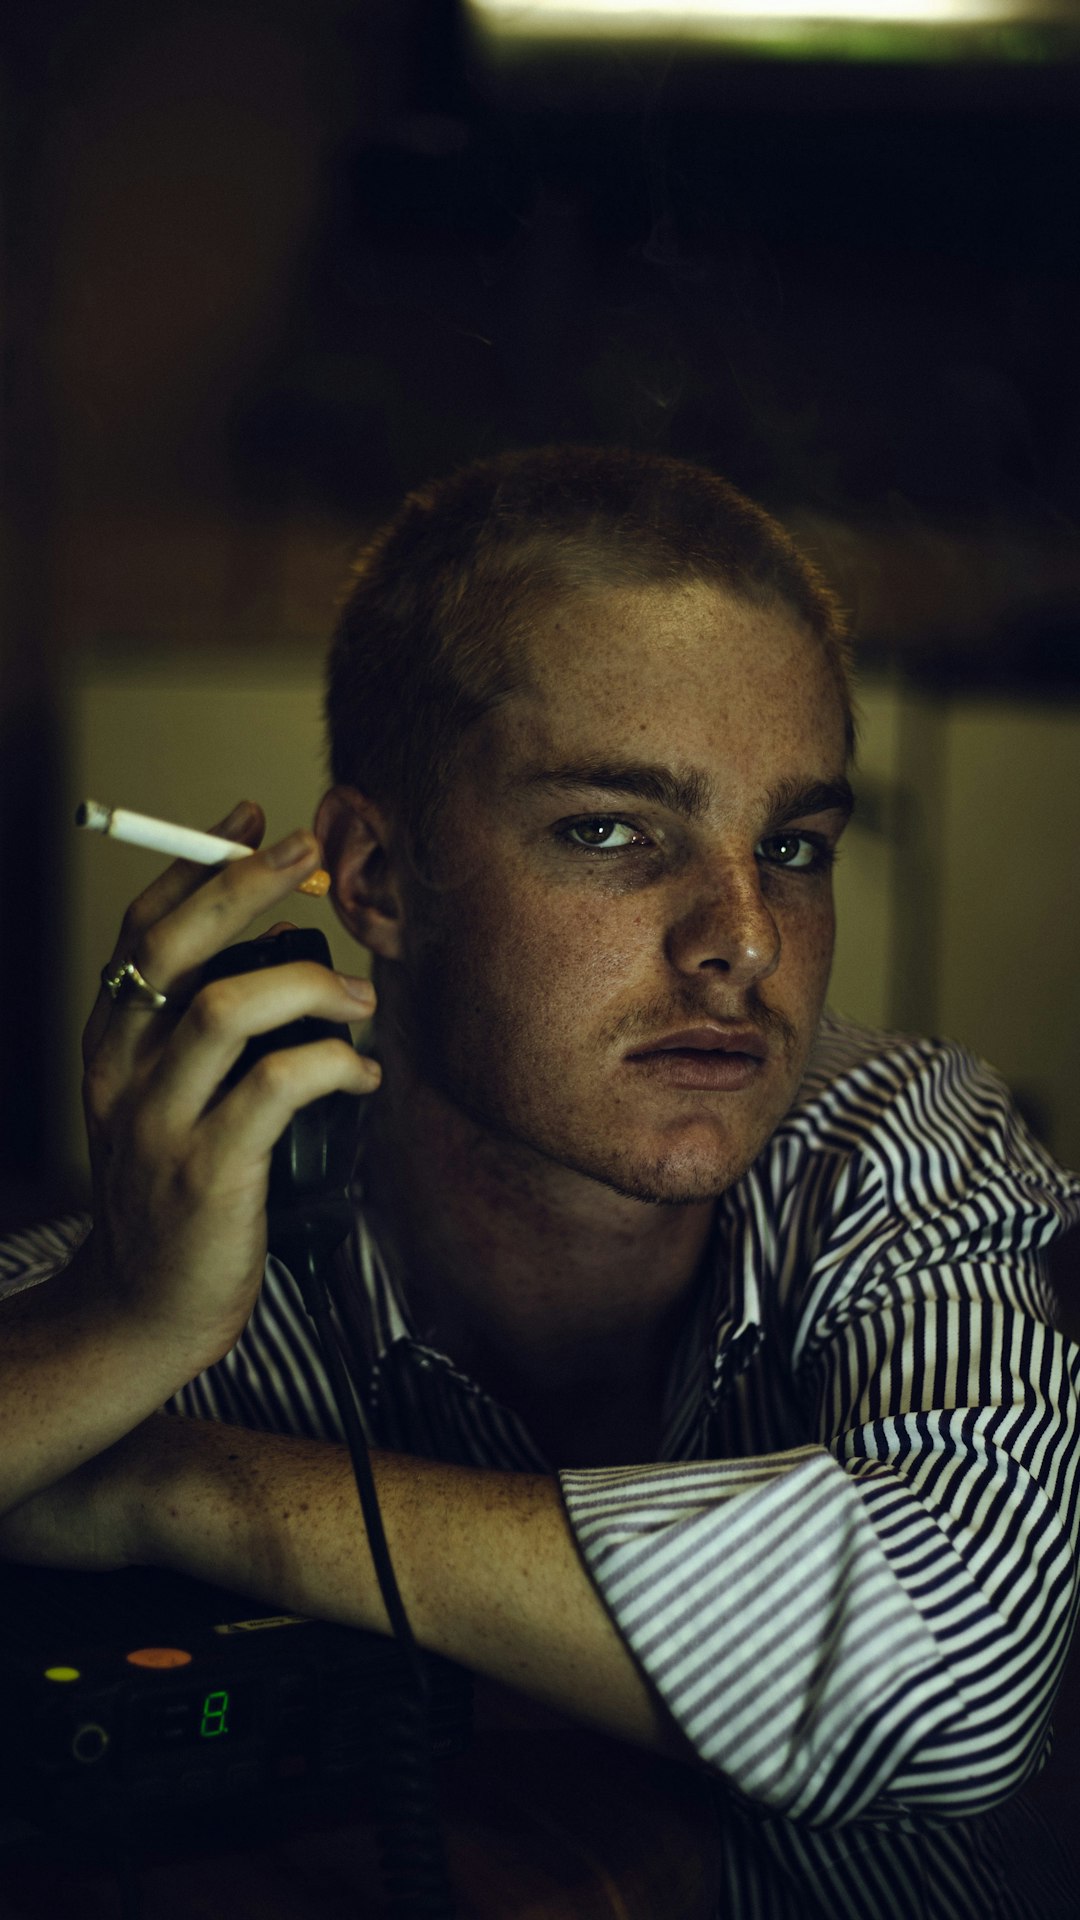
(852, 1571)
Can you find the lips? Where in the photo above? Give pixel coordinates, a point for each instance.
(726, 1039)
(713, 1059)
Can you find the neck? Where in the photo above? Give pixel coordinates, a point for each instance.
(560, 1296)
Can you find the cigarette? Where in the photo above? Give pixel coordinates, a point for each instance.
(184, 843)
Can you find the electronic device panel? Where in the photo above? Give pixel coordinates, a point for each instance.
(144, 1697)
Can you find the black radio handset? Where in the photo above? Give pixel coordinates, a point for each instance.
(308, 1214)
(307, 1204)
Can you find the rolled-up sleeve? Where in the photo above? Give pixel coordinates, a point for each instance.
(873, 1624)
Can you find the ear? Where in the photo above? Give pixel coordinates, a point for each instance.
(355, 837)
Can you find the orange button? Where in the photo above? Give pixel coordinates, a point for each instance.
(159, 1657)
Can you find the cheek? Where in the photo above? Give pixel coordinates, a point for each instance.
(573, 954)
(805, 917)
(809, 932)
(525, 965)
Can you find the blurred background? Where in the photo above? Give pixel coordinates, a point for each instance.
(267, 263)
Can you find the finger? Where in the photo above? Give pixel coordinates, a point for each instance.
(173, 949)
(244, 1126)
(245, 824)
(226, 1014)
(172, 952)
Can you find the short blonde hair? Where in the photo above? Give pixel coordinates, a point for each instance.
(429, 635)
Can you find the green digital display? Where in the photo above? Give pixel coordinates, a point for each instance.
(193, 1717)
(215, 1715)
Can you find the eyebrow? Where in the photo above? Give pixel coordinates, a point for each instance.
(790, 799)
(690, 793)
(686, 793)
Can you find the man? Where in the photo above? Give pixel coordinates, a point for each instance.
(703, 1339)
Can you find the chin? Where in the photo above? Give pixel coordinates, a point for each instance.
(682, 1176)
(663, 1186)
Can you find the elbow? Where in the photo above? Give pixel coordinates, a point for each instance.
(980, 1760)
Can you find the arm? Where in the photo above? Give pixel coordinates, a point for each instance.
(167, 1280)
(487, 1565)
(76, 1372)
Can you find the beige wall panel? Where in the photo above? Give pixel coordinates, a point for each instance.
(184, 746)
(862, 978)
(1010, 927)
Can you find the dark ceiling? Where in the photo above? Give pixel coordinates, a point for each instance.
(325, 250)
(856, 289)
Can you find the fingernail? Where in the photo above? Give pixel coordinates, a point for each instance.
(361, 990)
(240, 817)
(298, 846)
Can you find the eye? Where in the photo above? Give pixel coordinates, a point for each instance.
(798, 852)
(601, 833)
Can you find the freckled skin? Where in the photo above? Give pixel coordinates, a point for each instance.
(541, 966)
(549, 1201)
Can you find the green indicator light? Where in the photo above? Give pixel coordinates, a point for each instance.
(215, 1710)
(62, 1673)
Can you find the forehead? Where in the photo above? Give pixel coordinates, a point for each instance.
(690, 673)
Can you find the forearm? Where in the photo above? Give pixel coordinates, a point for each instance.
(486, 1562)
(77, 1371)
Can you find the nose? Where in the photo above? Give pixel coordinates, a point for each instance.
(727, 928)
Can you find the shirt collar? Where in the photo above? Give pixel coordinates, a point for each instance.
(723, 1333)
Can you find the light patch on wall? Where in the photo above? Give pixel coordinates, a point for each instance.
(704, 16)
(1007, 29)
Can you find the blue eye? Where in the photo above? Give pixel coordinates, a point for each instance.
(796, 852)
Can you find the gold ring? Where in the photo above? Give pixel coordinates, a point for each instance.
(127, 987)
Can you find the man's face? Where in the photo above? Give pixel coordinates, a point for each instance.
(625, 956)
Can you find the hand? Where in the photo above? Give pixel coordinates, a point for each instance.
(180, 1167)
